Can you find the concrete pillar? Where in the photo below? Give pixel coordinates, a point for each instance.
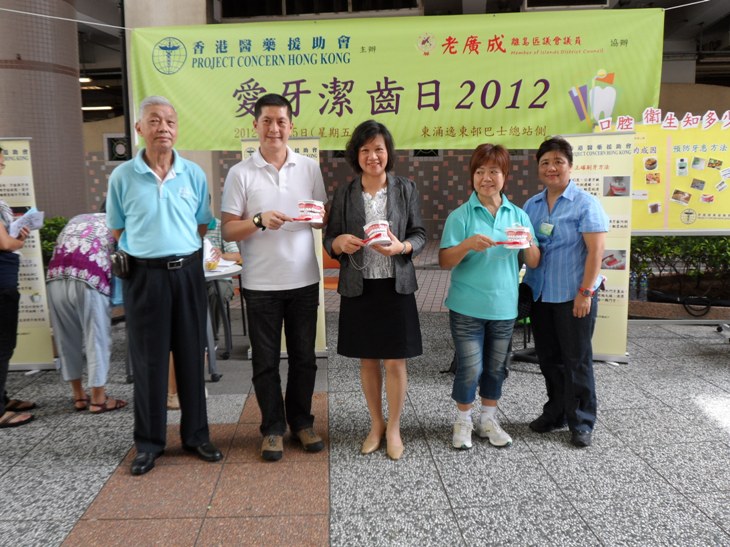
(40, 98)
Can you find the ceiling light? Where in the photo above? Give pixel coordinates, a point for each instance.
(90, 108)
(84, 80)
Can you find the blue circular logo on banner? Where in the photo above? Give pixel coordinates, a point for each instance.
(169, 55)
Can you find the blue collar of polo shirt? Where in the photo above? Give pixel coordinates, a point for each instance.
(475, 203)
(141, 167)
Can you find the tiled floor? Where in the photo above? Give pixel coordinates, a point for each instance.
(218, 503)
(657, 474)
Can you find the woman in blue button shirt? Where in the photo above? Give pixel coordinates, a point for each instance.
(571, 229)
(482, 297)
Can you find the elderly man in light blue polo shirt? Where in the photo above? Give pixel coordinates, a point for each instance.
(157, 208)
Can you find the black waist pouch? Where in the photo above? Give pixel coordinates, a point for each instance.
(121, 264)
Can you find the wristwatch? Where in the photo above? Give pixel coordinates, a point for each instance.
(585, 292)
(258, 221)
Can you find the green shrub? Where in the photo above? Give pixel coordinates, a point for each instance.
(692, 260)
(49, 233)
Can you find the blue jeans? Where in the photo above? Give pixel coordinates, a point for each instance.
(563, 345)
(296, 309)
(482, 349)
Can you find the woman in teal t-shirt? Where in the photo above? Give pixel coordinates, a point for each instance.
(482, 297)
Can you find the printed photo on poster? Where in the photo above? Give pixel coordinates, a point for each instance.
(682, 167)
(713, 163)
(617, 186)
(682, 197)
(698, 163)
(698, 184)
(614, 259)
(653, 178)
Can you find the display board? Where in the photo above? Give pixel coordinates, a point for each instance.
(34, 347)
(682, 174)
(446, 82)
(603, 165)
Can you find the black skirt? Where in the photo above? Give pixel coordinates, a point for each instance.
(380, 323)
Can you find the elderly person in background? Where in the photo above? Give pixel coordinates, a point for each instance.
(378, 312)
(482, 298)
(12, 411)
(79, 288)
(571, 228)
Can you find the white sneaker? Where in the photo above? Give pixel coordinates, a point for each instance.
(462, 434)
(489, 428)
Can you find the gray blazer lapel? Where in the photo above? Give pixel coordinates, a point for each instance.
(355, 216)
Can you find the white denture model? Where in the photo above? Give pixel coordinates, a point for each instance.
(310, 211)
(376, 233)
(518, 237)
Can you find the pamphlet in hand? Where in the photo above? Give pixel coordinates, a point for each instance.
(32, 219)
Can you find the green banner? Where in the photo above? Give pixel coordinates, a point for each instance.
(436, 82)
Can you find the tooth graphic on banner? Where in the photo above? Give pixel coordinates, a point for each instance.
(602, 96)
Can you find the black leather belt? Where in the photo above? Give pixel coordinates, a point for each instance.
(167, 262)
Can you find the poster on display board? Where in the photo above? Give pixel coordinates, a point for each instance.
(437, 82)
(34, 349)
(603, 165)
(682, 174)
(310, 149)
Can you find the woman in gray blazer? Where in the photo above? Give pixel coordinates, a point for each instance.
(378, 313)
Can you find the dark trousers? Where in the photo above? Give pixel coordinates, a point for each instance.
(565, 352)
(296, 309)
(9, 300)
(166, 311)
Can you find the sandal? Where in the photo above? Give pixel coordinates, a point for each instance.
(6, 420)
(104, 407)
(16, 405)
(84, 402)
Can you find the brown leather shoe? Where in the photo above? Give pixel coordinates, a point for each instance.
(310, 440)
(272, 449)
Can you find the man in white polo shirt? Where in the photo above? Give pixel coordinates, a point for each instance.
(280, 272)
